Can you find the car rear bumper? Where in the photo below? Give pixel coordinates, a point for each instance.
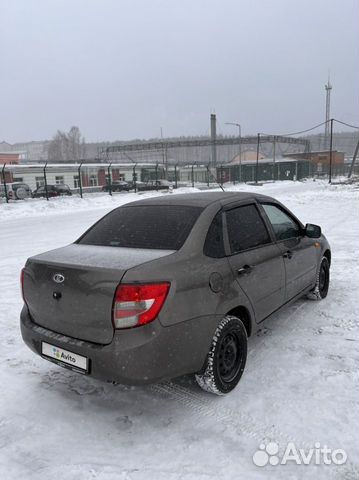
(136, 356)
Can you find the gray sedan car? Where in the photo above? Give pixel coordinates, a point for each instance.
(169, 286)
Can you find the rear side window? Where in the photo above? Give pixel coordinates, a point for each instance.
(214, 246)
(164, 227)
(246, 228)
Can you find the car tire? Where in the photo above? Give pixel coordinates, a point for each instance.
(21, 194)
(226, 358)
(320, 291)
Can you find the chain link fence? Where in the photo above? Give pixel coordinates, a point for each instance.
(53, 180)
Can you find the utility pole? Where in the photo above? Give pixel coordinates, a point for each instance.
(213, 139)
(353, 161)
(257, 162)
(274, 145)
(239, 147)
(331, 150)
(164, 154)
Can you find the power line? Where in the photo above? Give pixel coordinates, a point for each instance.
(347, 124)
(302, 131)
(313, 128)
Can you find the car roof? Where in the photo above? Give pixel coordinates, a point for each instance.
(201, 199)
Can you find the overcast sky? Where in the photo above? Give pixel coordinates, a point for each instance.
(122, 69)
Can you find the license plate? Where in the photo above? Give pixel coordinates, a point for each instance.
(64, 356)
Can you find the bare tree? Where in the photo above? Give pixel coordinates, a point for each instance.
(67, 146)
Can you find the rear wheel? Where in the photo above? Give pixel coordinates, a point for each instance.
(321, 288)
(20, 193)
(226, 358)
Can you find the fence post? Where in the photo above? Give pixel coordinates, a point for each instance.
(4, 180)
(45, 181)
(192, 176)
(208, 175)
(156, 170)
(109, 179)
(80, 179)
(221, 170)
(176, 176)
(134, 179)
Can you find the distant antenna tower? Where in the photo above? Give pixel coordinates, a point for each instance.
(328, 88)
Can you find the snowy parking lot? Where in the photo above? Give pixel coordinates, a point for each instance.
(300, 384)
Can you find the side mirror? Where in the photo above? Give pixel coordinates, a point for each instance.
(312, 231)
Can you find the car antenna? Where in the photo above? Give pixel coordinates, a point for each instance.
(210, 173)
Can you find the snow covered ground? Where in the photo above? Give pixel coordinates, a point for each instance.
(300, 383)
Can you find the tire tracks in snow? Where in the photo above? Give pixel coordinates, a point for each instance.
(237, 421)
(243, 423)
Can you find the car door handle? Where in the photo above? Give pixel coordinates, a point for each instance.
(288, 254)
(245, 270)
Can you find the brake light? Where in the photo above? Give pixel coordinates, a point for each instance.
(138, 304)
(22, 283)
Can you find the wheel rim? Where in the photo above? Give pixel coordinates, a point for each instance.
(229, 357)
(323, 278)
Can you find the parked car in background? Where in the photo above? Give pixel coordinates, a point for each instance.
(16, 191)
(118, 186)
(154, 185)
(138, 184)
(52, 191)
(171, 285)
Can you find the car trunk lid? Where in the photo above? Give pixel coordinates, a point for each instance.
(70, 290)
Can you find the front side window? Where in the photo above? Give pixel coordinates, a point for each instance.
(163, 227)
(283, 225)
(246, 229)
(62, 188)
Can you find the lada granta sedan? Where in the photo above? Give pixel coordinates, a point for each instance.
(169, 286)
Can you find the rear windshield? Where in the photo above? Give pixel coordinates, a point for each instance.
(164, 227)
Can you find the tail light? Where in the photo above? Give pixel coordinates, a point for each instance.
(138, 304)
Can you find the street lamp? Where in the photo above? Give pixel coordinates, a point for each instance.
(239, 147)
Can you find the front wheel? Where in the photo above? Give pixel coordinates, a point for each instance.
(226, 358)
(321, 288)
